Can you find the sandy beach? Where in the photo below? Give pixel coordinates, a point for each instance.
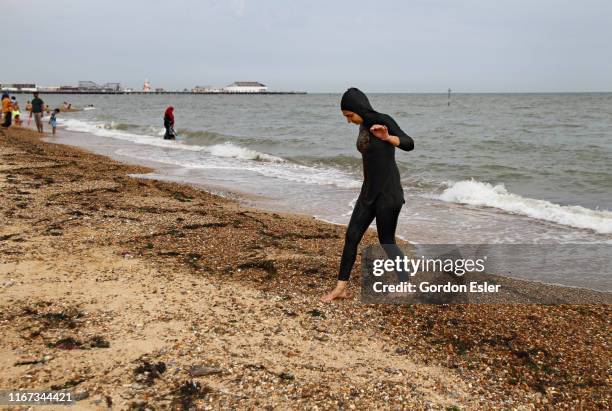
(135, 293)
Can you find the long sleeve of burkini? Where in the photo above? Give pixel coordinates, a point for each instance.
(406, 142)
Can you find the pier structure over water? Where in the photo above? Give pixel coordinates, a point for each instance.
(153, 92)
(90, 87)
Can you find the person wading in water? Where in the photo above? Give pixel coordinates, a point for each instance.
(381, 195)
(169, 124)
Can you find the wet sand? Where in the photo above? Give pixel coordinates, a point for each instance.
(135, 292)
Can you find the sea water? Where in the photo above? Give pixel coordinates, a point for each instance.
(488, 168)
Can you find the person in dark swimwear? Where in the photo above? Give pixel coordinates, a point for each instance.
(169, 124)
(381, 195)
(7, 110)
(38, 110)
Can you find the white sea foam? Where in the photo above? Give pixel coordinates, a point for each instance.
(220, 150)
(218, 156)
(231, 150)
(351, 206)
(282, 170)
(477, 193)
(103, 130)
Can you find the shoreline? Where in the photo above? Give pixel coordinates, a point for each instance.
(439, 208)
(160, 269)
(576, 294)
(264, 203)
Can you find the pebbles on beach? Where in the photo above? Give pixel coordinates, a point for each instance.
(140, 293)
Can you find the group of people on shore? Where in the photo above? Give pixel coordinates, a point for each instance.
(36, 109)
(10, 111)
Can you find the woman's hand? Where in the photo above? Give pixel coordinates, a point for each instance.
(380, 132)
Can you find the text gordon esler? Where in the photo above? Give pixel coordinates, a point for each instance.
(426, 287)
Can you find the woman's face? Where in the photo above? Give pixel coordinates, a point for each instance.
(352, 117)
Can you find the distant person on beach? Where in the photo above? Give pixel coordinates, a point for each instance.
(169, 124)
(38, 107)
(381, 195)
(28, 108)
(16, 114)
(7, 110)
(53, 119)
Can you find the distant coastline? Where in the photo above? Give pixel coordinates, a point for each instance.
(90, 87)
(155, 92)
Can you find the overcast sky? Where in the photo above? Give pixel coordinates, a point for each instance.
(313, 45)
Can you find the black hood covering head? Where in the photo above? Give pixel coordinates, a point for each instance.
(356, 101)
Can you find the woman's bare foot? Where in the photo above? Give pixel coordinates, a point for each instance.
(338, 292)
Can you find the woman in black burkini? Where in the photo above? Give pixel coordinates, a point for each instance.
(169, 124)
(381, 194)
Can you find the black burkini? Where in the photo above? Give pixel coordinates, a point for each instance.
(381, 194)
(169, 126)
